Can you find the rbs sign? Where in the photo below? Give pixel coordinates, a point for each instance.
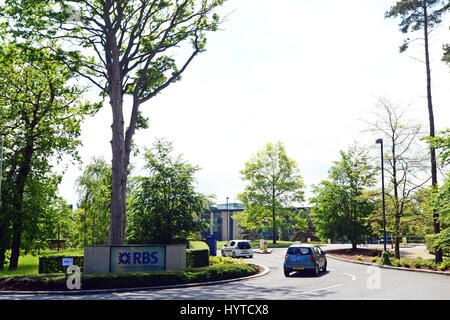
(133, 259)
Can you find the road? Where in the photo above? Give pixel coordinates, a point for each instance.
(342, 281)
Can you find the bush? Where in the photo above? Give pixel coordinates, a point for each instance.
(406, 263)
(225, 260)
(53, 264)
(197, 258)
(429, 242)
(441, 240)
(418, 263)
(444, 266)
(131, 279)
(385, 259)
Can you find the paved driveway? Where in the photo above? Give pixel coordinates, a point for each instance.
(343, 280)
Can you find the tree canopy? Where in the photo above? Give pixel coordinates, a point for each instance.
(164, 206)
(40, 116)
(274, 187)
(341, 205)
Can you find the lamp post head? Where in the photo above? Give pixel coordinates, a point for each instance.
(379, 141)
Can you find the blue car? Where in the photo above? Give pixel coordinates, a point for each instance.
(304, 257)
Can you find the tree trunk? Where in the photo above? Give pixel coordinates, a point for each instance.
(274, 230)
(21, 178)
(397, 237)
(438, 254)
(119, 176)
(119, 161)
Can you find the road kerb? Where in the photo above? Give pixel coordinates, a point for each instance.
(102, 291)
(390, 267)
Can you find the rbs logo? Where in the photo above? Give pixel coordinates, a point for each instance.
(138, 257)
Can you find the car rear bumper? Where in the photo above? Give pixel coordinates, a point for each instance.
(244, 254)
(299, 266)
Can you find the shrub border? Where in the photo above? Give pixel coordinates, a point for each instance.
(264, 272)
(389, 267)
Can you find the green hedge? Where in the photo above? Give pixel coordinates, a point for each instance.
(130, 280)
(432, 239)
(197, 258)
(53, 264)
(429, 240)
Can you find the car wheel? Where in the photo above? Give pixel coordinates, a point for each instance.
(316, 270)
(223, 253)
(324, 267)
(287, 272)
(233, 255)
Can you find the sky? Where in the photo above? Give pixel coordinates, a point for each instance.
(307, 73)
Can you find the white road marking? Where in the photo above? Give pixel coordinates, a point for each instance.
(335, 286)
(350, 275)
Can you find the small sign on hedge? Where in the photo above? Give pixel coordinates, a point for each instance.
(55, 264)
(67, 262)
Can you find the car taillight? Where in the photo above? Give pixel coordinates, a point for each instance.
(312, 258)
(285, 257)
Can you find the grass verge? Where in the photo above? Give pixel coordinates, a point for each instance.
(219, 269)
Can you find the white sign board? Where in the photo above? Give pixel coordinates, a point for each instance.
(67, 262)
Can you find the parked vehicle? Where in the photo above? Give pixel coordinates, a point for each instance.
(237, 248)
(304, 257)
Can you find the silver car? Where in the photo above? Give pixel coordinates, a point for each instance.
(300, 257)
(237, 248)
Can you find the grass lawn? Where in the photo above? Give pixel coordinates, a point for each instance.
(29, 264)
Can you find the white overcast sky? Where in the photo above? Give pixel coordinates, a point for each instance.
(305, 72)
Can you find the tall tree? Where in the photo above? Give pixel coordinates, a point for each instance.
(164, 206)
(403, 163)
(40, 115)
(341, 205)
(423, 15)
(274, 187)
(132, 44)
(94, 189)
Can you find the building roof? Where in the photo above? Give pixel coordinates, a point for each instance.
(231, 207)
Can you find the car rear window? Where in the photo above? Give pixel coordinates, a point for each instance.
(244, 245)
(299, 250)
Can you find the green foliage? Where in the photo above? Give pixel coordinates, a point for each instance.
(131, 280)
(213, 260)
(163, 206)
(441, 240)
(446, 55)
(274, 185)
(53, 264)
(341, 206)
(412, 13)
(385, 259)
(91, 220)
(40, 117)
(193, 244)
(197, 258)
(441, 142)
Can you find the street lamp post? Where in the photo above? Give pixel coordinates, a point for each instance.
(228, 222)
(380, 141)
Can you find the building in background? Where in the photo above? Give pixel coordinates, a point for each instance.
(225, 228)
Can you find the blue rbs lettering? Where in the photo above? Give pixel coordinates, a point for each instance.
(145, 257)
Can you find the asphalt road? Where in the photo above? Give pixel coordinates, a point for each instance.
(342, 280)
